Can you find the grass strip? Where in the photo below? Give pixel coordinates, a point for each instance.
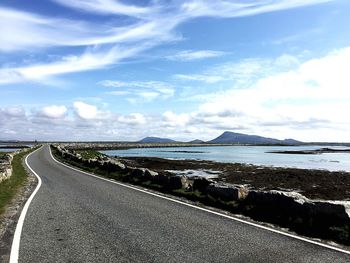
(10, 187)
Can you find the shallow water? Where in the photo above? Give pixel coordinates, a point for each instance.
(257, 155)
(7, 150)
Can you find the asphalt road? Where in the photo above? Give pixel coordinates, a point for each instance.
(78, 218)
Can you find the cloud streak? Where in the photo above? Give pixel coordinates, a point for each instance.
(105, 7)
(235, 8)
(146, 91)
(189, 55)
(151, 25)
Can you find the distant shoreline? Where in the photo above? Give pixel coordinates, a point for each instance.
(317, 151)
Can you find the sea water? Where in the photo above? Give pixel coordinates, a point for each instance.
(257, 155)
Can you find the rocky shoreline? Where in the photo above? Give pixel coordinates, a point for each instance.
(314, 184)
(327, 219)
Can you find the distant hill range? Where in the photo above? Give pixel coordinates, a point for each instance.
(156, 140)
(229, 138)
(240, 138)
(197, 141)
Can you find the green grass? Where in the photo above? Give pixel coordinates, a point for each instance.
(89, 154)
(9, 187)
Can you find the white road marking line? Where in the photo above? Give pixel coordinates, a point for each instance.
(207, 210)
(17, 237)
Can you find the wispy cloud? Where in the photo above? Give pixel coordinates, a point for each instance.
(306, 102)
(106, 7)
(236, 8)
(146, 91)
(154, 25)
(189, 55)
(88, 61)
(242, 71)
(23, 30)
(150, 25)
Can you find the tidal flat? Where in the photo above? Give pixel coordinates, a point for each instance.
(312, 183)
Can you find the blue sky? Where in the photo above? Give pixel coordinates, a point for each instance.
(123, 70)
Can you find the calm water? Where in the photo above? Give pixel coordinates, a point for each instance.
(247, 154)
(12, 149)
(7, 150)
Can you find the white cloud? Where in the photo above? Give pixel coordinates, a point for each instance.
(235, 8)
(133, 119)
(198, 77)
(189, 55)
(25, 30)
(85, 111)
(106, 7)
(13, 111)
(151, 25)
(54, 111)
(22, 30)
(242, 72)
(69, 64)
(311, 97)
(140, 91)
(175, 120)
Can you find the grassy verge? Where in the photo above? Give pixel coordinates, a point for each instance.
(9, 187)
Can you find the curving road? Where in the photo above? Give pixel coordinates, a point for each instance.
(75, 217)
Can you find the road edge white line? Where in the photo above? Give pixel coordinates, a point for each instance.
(207, 210)
(17, 236)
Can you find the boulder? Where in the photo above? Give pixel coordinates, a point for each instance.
(160, 179)
(186, 183)
(175, 182)
(117, 164)
(200, 184)
(322, 218)
(149, 174)
(137, 172)
(335, 212)
(227, 192)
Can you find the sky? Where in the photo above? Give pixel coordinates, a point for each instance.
(123, 70)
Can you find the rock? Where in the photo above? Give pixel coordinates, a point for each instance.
(160, 179)
(186, 183)
(200, 184)
(137, 172)
(276, 203)
(119, 165)
(227, 192)
(328, 211)
(5, 166)
(175, 182)
(325, 219)
(149, 174)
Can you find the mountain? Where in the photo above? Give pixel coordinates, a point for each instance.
(155, 140)
(196, 141)
(291, 141)
(240, 138)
